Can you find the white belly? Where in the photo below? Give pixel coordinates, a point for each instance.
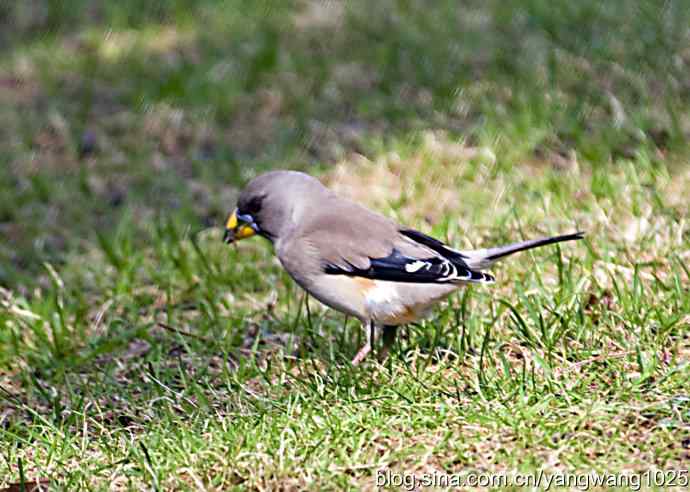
(384, 302)
(397, 303)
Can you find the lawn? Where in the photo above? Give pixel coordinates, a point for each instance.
(139, 351)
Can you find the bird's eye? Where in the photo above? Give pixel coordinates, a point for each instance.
(253, 206)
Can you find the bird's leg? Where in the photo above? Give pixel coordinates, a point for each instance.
(364, 351)
(389, 333)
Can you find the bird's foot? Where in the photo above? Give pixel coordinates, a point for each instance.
(389, 333)
(382, 353)
(362, 354)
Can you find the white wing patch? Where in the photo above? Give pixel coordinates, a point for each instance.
(449, 272)
(416, 266)
(452, 273)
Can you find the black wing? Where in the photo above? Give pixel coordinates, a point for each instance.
(399, 268)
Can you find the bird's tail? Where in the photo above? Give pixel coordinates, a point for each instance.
(484, 258)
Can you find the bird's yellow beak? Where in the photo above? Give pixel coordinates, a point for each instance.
(239, 227)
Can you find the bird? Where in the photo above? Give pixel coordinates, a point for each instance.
(358, 261)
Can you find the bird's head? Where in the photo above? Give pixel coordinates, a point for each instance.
(270, 204)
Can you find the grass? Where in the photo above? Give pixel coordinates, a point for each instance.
(136, 350)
